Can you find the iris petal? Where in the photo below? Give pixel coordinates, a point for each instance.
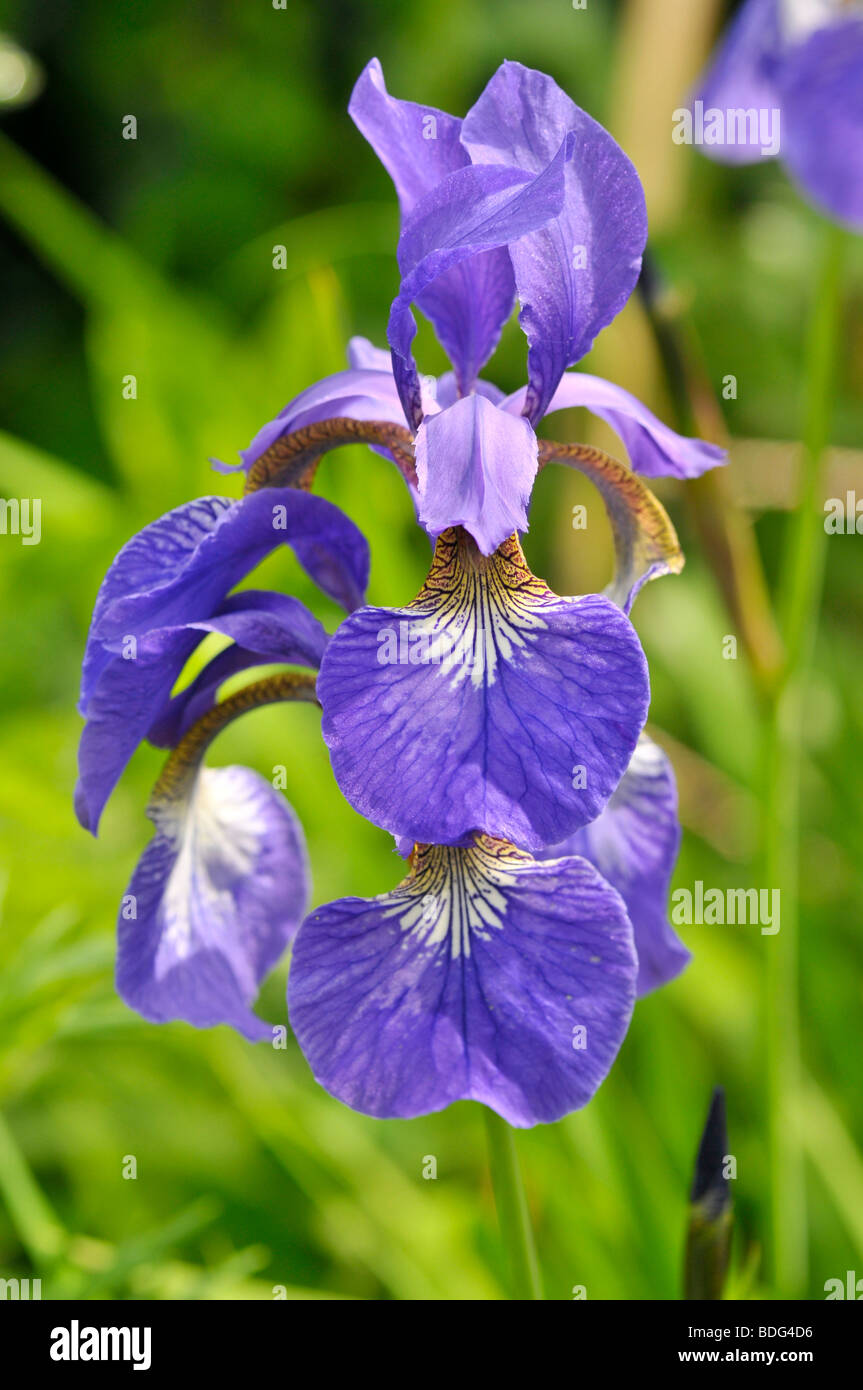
(574, 275)
(359, 394)
(444, 391)
(419, 146)
(475, 468)
(821, 84)
(488, 703)
(217, 896)
(655, 450)
(634, 844)
(742, 73)
(364, 356)
(264, 628)
(131, 701)
(470, 211)
(181, 566)
(485, 975)
(121, 704)
(221, 888)
(174, 574)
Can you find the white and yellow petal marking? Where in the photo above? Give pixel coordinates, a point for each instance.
(489, 703)
(471, 980)
(218, 837)
(475, 611)
(455, 894)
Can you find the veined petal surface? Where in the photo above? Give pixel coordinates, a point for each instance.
(476, 467)
(473, 210)
(419, 146)
(216, 897)
(180, 567)
(174, 574)
(489, 703)
(655, 450)
(573, 275)
(485, 975)
(634, 844)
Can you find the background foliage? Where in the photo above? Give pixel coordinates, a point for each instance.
(154, 257)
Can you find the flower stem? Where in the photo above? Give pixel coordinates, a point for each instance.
(800, 590)
(804, 557)
(512, 1209)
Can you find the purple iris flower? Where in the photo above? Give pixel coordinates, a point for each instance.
(492, 975)
(490, 703)
(491, 725)
(223, 885)
(787, 79)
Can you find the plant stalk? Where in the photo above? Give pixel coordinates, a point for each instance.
(512, 1210)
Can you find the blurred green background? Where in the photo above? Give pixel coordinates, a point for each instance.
(154, 258)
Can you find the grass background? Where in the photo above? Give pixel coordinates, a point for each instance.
(154, 257)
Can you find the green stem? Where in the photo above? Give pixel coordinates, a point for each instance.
(512, 1209)
(804, 557)
(800, 586)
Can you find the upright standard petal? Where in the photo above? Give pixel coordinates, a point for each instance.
(468, 306)
(574, 275)
(471, 211)
(634, 844)
(419, 147)
(821, 83)
(221, 888)
(488, 703)
(476, 467)
(485, 976)
(655, 450)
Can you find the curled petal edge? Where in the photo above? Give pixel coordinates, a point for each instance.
(645, 541)
(293, 459)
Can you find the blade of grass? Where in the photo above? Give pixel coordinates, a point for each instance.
(37, 1226)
